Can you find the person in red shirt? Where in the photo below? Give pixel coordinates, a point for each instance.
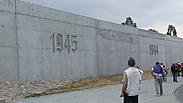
(181, 68)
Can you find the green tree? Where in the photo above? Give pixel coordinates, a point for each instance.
(153, 30)
(129, 22)
(171, 31)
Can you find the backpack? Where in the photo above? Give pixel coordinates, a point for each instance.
(181, 67)
(158, 69)
(176, 68)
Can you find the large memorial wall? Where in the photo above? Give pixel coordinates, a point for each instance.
(40, 43)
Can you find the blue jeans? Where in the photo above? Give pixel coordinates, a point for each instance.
(179, 72)
(182, 72)
(165, 78)
(175, 76)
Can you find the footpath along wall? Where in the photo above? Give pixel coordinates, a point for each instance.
(40, 43)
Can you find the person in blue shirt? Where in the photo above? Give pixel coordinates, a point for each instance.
(165, 74)
(158, 79)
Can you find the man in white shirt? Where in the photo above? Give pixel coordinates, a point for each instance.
(131, 80)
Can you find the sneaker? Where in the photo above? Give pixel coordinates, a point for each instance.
(161, 94)
(157, 95)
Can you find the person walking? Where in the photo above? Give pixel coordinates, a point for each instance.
(165, 74)
(161, 64)
(131, 79)
(141, 73)
(178, 65)
(174, 70)
(181, 68)
(158, 79)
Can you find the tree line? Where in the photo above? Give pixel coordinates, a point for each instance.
(171, 29)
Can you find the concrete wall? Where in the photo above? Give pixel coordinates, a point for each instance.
(40, 43)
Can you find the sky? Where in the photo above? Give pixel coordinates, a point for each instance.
(147, 14)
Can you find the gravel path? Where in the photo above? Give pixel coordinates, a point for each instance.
(14, 90)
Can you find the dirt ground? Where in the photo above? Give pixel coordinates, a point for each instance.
(93, 83)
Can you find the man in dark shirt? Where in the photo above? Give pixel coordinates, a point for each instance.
(174, 70)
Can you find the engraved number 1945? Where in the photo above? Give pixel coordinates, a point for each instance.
(61, 42)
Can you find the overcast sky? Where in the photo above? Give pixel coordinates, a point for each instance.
(148, 14)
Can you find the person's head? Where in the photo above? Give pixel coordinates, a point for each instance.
(163, 66)
(131, 62)
(157, 63)
(161, 63)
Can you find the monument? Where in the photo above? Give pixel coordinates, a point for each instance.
(40, 43)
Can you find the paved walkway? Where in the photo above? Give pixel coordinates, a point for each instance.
(179, 93)
(110, 94)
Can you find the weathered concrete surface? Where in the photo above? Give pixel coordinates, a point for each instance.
(40, 43)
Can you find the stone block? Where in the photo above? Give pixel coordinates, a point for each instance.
(104, 25)
(48, 40)
(144, 48)
(86, 21)
(47, 25)
(102, 44)
(146, 61)
(34, 10)
(91, 64)
(103, 63)
(118, 46)
(151, 34)
(47, 13)
(30, 64)
(22, 8)
(85, 31)
(69, 28)
(8, 37)
(75, 65)
(28, 22)
(80, 43)
(8, 64)
(7, 19)
(115, 59)
(54, 65)
(90, 44)
(7, 5)
(64, 16)
(145, 40)
(131, 30)
(118, 27)
(57, 27)
(29, 38)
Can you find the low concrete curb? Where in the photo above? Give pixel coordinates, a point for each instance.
(178, 93)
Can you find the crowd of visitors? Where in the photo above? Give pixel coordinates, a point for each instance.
(159, 72)
(133, 75)
(177, 70)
